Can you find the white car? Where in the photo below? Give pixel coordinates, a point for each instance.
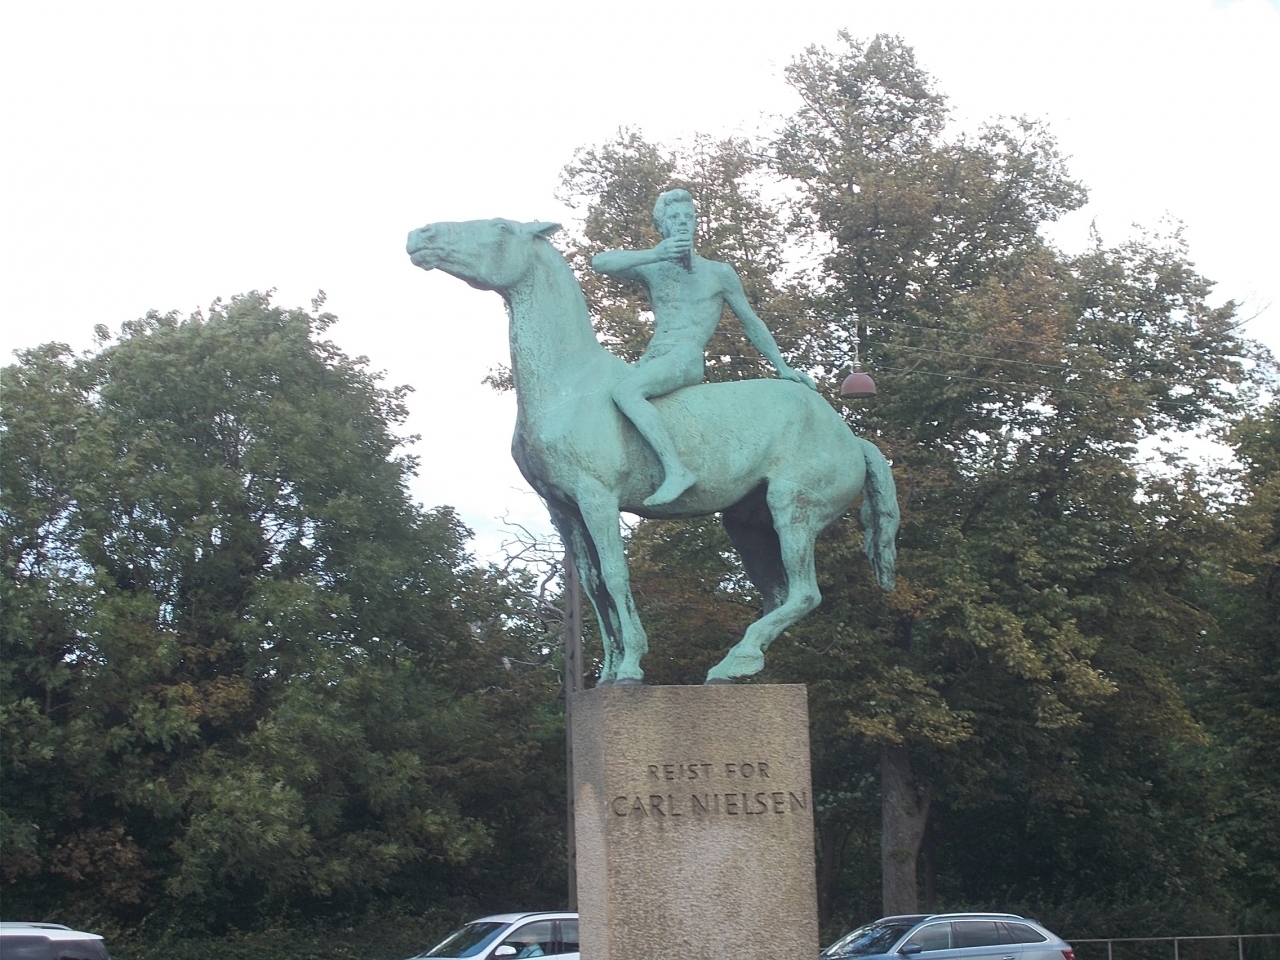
(49, 941)
(509, 936)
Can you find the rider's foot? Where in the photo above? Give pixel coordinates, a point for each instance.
(676, 482)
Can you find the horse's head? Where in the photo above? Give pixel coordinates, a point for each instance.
(488, 254)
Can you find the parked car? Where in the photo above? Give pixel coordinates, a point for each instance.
(951, 936)
(48, 941)
(509, 936)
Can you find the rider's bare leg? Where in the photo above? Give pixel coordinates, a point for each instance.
(677, 478)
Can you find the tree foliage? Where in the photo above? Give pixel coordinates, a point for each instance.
(1026, 698)
(1239, 693)
(243, 672)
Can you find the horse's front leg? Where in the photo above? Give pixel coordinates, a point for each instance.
(577, 541)
(612, 599)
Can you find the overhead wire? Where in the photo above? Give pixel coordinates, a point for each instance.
(1049, 365)
(1014, 383)
(950, 332)
(1070, 391)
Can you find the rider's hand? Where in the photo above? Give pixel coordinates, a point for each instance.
(674, 248)
(798, 376)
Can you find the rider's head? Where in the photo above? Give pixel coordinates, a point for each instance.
(669, 203)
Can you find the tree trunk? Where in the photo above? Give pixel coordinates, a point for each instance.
(828, 830)
(904, 811)
(930, 869)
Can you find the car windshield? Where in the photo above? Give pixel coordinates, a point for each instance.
(466, 941)
(869, 939)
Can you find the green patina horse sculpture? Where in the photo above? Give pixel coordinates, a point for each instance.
(771, 456)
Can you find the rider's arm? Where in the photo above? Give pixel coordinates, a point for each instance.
(756, 331)
(623, 264)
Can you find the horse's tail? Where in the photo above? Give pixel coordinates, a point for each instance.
(879, 514)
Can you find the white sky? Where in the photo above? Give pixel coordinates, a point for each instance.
(161, 154)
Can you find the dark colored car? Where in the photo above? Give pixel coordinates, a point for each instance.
(950, 936)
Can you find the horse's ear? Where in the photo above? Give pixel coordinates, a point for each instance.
(542, 229)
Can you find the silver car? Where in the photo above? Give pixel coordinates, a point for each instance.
(510, 936)
(951, 936)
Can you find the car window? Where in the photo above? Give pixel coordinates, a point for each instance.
(532, 940)
(1020, 933)
(933, 936)
(466, 941)
(76, 950)
(976, 933)
(26, 948)
(869, 939)
(569, 936)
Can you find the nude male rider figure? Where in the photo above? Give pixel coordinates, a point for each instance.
(688, 294)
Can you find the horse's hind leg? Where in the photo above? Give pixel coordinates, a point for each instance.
(797, 529)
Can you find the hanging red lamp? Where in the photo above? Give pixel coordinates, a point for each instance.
(858, 385)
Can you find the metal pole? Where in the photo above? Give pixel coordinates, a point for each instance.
(572, 684)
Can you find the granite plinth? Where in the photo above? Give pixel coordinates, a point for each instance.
(694, 823)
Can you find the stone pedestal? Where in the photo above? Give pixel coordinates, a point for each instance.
(694, 822)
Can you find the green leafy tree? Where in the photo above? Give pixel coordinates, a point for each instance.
(1045, 612)
(1241, 693)
(1043, 569)
(240, 666)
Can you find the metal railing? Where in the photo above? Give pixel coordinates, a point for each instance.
(1179, 942)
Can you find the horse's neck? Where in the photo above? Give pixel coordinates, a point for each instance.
(554, 351)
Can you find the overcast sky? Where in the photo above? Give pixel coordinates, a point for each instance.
(158, 155)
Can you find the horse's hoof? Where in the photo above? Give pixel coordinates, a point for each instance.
(735, 667)
(720, 681)
(622, 682)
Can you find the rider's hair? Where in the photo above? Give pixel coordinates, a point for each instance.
(667, 199)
